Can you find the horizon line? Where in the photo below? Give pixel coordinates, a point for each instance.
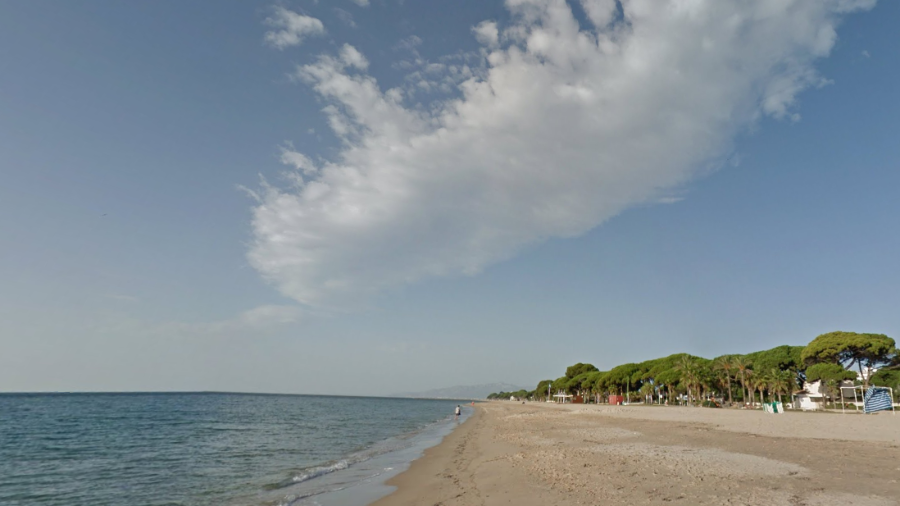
(216, 392)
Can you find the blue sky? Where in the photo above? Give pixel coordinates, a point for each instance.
(717, 200)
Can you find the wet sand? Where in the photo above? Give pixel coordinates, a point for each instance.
(544, 454)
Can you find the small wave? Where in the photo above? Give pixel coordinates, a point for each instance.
(319, 471)
(380, 448)
(293, 500)
(391, 444)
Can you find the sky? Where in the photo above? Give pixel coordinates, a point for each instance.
(367, 197)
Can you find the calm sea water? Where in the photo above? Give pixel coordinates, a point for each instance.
(208, 448)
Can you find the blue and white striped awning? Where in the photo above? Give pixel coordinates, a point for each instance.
(877, 399)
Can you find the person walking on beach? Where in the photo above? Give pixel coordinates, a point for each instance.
(458, 411)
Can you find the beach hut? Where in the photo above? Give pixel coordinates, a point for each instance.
(808, 401)
(812, 396)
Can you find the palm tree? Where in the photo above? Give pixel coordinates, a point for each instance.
(706, 379)
(759, 383)
(742, 364)
(689, 370)
(724, 365)
(782, 382)
(771, 380)
(647, 391)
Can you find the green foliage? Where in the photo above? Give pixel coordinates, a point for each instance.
(723, 363)
(668, 377)
(723, 368)
(601, 383)
(620, 377)
(849, 348)
(541, 389)
(780, 382)
(579, 369)
(561, 383)
(887, 378)
(828, 372)
(782, 358)
(695, 374)
(519, 394)
(777, 371)
(589, 379)
(574, 384)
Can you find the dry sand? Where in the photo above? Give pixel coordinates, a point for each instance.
(540, 454)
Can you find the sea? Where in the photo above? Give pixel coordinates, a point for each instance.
(221, 449)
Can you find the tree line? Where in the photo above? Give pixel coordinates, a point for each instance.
(753, 377)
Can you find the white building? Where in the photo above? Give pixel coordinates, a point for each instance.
(812, 396)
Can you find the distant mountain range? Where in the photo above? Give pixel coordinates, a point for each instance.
(463, 392)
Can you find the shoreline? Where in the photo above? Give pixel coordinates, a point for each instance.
(416, 476)
(366, 481)
(539, 454)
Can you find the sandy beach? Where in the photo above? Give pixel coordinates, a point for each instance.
(545, 454)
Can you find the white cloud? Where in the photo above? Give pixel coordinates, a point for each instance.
(410, 44)
(345, 16)
(361, 3)
(600, 12)
(292, 28)
(486, 33)
(560, 130)
(353, 58)
(298, 161)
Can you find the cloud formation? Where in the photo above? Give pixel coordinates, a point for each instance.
(560, 128)
(291, 28)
